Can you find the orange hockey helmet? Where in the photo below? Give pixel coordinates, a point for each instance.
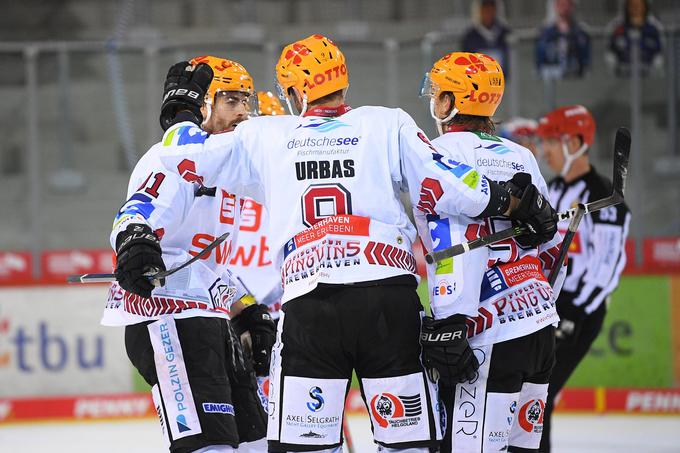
(269, 104)
(476, 81)
(228, 75)
(313, 66)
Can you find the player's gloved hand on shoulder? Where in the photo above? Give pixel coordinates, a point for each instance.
(447, 355)
(183, 93)
(533, 211)
(138, 254)
(256, 320)
(571, 320)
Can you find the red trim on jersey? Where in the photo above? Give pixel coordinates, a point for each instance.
(328, 111)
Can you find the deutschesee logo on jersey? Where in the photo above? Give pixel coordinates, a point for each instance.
(396, 411)
(323, 125)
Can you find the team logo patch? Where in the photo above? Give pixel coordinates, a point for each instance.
(531, 416)
(396, 411)
(317, 402)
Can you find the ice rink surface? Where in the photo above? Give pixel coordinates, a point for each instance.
(573, 433)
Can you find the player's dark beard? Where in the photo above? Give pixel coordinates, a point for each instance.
(230, 126)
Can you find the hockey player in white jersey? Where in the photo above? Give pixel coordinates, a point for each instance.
(597, 254)
(497, 299)
(178, 335)
(330, 179)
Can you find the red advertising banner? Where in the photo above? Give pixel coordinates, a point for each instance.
(134, 405)
(661, 254)
(58, 264)
(15, 267)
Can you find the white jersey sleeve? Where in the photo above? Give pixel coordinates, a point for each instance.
(216, 160)
(438, 183)
(156, 197)
(164, 182)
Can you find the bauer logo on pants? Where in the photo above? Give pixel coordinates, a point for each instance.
(531, 416)
(396, 411)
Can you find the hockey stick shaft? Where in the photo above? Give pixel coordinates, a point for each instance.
(509, 233)
(621, 155)
(107, 278)
(566, 242)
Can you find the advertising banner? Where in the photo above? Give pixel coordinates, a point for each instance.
(51, 343)
(634, 346)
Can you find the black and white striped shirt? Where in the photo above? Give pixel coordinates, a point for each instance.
(597, 254)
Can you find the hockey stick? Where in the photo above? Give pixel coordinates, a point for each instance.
(155, 276)
(566, 242)
(621, 154)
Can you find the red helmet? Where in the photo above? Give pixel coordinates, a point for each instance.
(570, 120)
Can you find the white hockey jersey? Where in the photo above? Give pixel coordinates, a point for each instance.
(331, 186)
(251, 259)
(501, 288)
(205, 288)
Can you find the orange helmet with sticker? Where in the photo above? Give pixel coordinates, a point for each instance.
(228, 76)
(476, 81)
(314, 66)
(268, 104)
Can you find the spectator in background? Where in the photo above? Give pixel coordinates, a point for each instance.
(635, 18)
(489, 33)
(563, 46)
(521, 131)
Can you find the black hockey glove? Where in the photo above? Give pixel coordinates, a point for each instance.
(256, 320)
(533, 211)
(446, 352)
(571, 321)
(138, 254)
(183, 93)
